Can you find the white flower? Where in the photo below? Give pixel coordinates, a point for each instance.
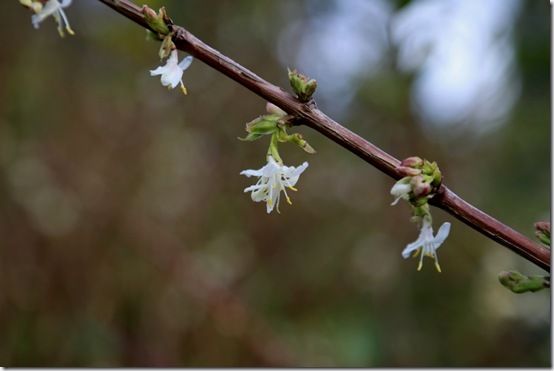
(172, 71)
(54, 8)
(273, 178)
(401, 190)
(427, 244)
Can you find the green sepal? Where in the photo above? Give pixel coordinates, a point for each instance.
(295, 138)
(273, 150)
(266, 124)
(157, 22)
(545, 240)
(166, 47)
(519, 283)
(302, 143)
(250, 137)
(420, 207)
(152, 36)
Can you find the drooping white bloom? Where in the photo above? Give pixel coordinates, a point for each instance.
(54, 8)
(172, 71)
(401, 190)
(273, 178)
(427, 244)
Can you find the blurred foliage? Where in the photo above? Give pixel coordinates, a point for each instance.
(128, 240)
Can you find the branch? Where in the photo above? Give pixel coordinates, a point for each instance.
(312, 117)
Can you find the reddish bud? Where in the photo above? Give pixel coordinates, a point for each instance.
(413, 161)
(420, 187)
(408, 171)
(543, 227)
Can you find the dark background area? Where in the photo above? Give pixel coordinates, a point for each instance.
(127, 239)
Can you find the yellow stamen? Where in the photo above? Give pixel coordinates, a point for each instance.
(420, 265)
(288, 199)
(183, 88)
(416, 253)
(438, 266)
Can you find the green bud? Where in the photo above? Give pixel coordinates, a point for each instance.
(432, 169)
(519, 283)
(428, 167)
(303, 86)
(542, 231)
(157, 22)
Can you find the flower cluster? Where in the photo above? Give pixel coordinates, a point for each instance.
(274, 177)
(420, 181)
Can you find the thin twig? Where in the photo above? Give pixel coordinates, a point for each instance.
(309, 115)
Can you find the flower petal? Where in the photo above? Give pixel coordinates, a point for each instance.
(158, 71)
(251, 172)
(411, 247)
(185, 63)
(442, 234)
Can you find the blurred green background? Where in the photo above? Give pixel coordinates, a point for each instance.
(127, 239)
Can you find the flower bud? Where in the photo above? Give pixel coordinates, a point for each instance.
(155, 21)
(414, 161)
(303, 86)
(273, 109)
(408, 171)
(420, 186)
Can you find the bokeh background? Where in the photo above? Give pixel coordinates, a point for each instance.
(127, 239)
